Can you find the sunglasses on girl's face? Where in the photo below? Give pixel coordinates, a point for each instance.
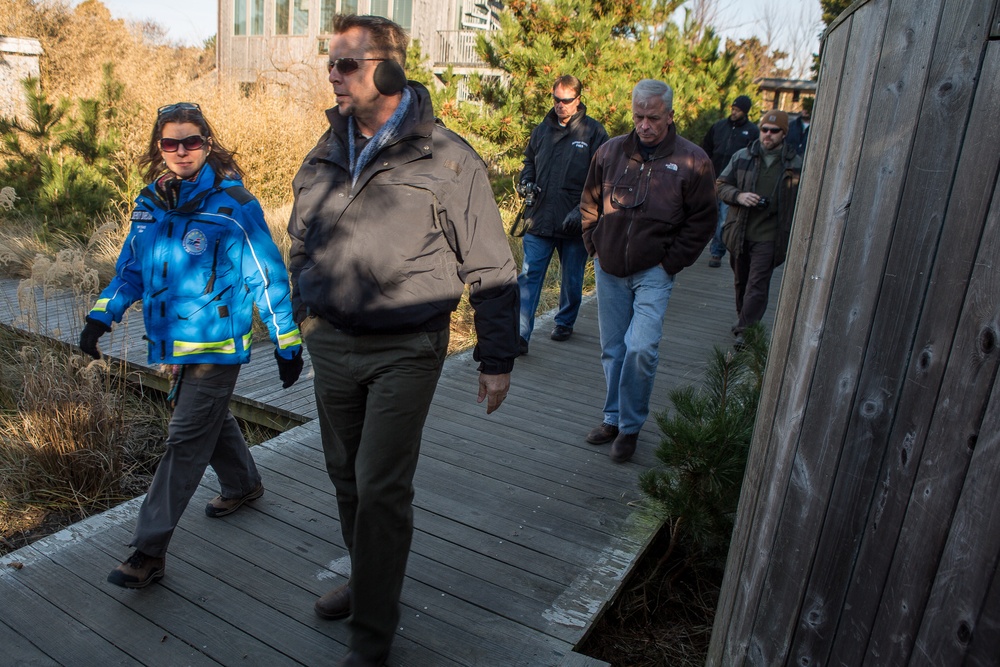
(192, 143)
(348, 65)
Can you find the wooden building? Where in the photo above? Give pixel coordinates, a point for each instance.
(868, 532)
(785, 94)
(286, 41)
(18, 61)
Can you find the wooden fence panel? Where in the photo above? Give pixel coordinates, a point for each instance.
(796, 338)
(882, 365)
(880, 288)
(733, 598)
(975, 175)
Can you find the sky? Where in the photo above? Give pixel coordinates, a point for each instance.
(794, 24)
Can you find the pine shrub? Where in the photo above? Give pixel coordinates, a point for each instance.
(703, 451)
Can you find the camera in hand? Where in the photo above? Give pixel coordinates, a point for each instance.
(763, 202)
(528, 190)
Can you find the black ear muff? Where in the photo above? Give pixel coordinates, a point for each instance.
(389, 77)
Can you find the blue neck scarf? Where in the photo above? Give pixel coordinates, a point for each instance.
(385, 136)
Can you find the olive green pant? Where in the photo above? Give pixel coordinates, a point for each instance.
(373, 393)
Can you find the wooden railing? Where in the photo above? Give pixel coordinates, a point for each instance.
(457, 47)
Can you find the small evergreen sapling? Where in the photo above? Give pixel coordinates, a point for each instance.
(703, 452)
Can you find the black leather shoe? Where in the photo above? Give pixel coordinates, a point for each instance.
(334, 605)
(561, 333)
(603, 434)
(623, 447)
(355, 659)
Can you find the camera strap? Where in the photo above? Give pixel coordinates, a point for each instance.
(520, 224)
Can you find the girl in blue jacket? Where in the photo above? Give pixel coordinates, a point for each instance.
(199, 255)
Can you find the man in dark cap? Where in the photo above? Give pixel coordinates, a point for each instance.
(760, 184)
(721, 141)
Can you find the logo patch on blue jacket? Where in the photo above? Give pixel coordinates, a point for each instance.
(195, 242)
(141, 216)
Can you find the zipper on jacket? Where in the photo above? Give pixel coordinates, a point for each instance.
(215, 263)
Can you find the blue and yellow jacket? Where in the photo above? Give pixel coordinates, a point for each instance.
(199, 268)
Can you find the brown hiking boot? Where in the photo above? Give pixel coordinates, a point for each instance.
(334, 604)
(602, 434)
(221, 506)
(138, 571)
(623, 447)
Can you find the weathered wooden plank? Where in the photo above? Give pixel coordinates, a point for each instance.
(25, 626)
(983, 651)
(970, 370)
(817, 235)
(950, 618)
(283, 552)
(86, 602)
(846, 422)
(975, 174)
(222, 620)
(511, 533)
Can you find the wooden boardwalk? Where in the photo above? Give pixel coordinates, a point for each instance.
(524, 532)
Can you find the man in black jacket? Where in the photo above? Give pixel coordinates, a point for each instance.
(393, 217)
(721, 142)
(555, 168)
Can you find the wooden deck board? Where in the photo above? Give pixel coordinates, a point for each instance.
(524, 532)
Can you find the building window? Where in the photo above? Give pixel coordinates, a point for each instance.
(402, 13)
(301, 24)
(240, 17)
(281, 17)
(256, 17)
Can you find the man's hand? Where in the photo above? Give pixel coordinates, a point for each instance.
(748, 199)
(494, 388)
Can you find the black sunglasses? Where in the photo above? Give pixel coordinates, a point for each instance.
(180, 106)
(192, 143)
(564, 100)
(347, 65)
(770, 130)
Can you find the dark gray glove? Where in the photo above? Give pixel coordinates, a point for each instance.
(92, 331)
(572, 224)
(289, 369)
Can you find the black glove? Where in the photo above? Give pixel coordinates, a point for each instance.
(289, 369)
(92, 331)
(573, 223)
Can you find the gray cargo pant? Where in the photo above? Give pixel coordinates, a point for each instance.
(202, 432)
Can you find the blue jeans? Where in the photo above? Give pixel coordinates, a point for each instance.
(718, 248)
(537, 255)
(630, 313)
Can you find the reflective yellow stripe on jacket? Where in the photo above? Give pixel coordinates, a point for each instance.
(185, 348)
(293, 337)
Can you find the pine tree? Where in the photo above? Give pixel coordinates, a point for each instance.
(609, 46)
(62, 165)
